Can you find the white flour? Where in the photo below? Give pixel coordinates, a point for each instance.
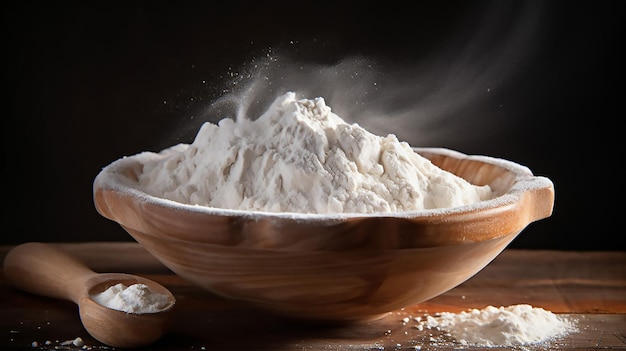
(300, 157)
(136, 298)
(516, 325)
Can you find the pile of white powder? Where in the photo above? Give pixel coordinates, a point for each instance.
(299, 156)
(136, 298)
(516, 325)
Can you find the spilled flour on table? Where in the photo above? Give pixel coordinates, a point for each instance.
(511, 326)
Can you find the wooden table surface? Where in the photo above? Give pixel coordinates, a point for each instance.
(589, 287)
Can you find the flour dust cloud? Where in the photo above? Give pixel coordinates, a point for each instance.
(441, 98)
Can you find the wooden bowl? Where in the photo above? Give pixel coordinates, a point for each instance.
(330, 267)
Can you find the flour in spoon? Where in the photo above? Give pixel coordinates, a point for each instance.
(301, 157)
(136, 298)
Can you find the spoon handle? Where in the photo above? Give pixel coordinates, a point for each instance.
(44, 270)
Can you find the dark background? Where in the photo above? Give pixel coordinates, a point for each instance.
(536, 82)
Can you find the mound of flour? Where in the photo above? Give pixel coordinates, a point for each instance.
(299, 156)
(510, 326)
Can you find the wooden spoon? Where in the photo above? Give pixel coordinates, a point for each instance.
(44, 270)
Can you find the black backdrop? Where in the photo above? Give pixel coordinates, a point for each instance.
(535, 82)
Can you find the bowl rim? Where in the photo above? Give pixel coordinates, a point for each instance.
(115, 177)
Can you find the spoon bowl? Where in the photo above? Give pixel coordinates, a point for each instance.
(42, 269)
